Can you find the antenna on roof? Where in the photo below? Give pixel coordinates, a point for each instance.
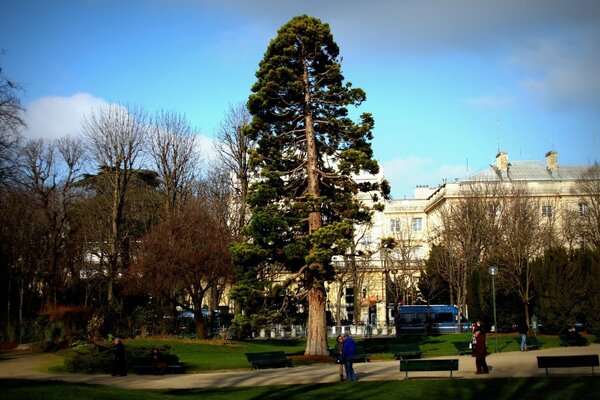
(498, 133)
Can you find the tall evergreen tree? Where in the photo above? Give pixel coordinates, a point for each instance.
(305, 205)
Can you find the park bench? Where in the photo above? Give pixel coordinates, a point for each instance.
(464, 348)
(532, 343)
(586, 360)
(268, 359)
(146, 365)
(573, 340)
(360, 355)
(405, 351)
(429, 365)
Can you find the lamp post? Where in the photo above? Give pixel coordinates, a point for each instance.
(493, 270)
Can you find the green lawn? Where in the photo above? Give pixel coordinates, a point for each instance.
(202, 356)
(217, 356)
(563, 388)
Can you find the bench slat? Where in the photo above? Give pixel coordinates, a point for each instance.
(268, 359)
(585, 360)
(429, 365)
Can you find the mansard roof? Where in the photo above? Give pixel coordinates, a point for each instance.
(527, 171)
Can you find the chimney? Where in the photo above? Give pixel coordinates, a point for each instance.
(552, 162)
(502, 164)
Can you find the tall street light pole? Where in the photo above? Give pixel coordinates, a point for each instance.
(493, 270)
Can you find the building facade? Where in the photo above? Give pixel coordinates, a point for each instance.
(378, 277)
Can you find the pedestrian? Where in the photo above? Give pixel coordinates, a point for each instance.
(348, 352)
(523, 329)
(119, 366)
(338, 355)
(479, 349)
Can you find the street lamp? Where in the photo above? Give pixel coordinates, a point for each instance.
(493, 270)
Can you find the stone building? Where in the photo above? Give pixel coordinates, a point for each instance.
(372, 282)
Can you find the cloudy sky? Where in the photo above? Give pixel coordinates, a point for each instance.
(449, 82)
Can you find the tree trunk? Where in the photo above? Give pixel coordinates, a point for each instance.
(316, 341)
(200, 328)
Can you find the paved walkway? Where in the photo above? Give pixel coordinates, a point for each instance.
(509, 364)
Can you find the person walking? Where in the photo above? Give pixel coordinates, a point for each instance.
(119, 366)
(338, 355)
(480, 349)
(523, 329)
(348, 352)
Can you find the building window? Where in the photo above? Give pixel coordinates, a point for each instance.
(495, 210)
(583, 209)
(366, 241)
(417, 224)
(395, 225)
(547, 211)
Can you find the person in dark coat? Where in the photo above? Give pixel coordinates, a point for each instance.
(119, 366)
(523, 329)
(480, 349)
(348, 352)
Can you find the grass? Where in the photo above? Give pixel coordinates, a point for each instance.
(213, 355)
(206, 356)
(562, 388)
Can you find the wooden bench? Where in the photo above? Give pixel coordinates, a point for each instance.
(360, 355)
(268, 359)
(146, 365)
(532, 343)
(429, 365)
(573, 340)
(586, 360)
(405, 351)
(464, 348)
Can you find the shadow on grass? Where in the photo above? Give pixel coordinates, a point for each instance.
(517, 388)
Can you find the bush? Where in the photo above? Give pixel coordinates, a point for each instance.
(99, 357)
(241, 327)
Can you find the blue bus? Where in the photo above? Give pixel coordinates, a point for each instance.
(429, 319)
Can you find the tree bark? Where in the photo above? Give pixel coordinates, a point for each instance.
(316, 340)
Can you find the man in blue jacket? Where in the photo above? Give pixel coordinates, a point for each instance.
(348, 352)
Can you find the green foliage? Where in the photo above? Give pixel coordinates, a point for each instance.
(100, 357)
(90, 358)
(561, 287)
(241, 327)
(55, 335)
(304, 207)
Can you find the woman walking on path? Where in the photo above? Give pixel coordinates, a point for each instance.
(480, 349)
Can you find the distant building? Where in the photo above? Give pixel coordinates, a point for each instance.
(387, 277)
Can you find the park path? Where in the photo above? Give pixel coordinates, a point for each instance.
(23, 364)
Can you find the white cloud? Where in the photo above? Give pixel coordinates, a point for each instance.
(56, 116)
(404, 174)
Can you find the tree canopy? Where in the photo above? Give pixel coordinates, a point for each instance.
(309, 150)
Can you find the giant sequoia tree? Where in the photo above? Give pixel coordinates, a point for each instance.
(304, 205)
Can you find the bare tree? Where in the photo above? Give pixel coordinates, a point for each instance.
(184, 257)
(520, 239)
(49, 174)
(465, 229)
(11, 123)
(233, 148)
(174, 148)
(589, 206)
(117, 137)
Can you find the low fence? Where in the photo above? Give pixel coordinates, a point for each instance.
(299, 331)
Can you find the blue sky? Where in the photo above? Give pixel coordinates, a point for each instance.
(449, 82)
